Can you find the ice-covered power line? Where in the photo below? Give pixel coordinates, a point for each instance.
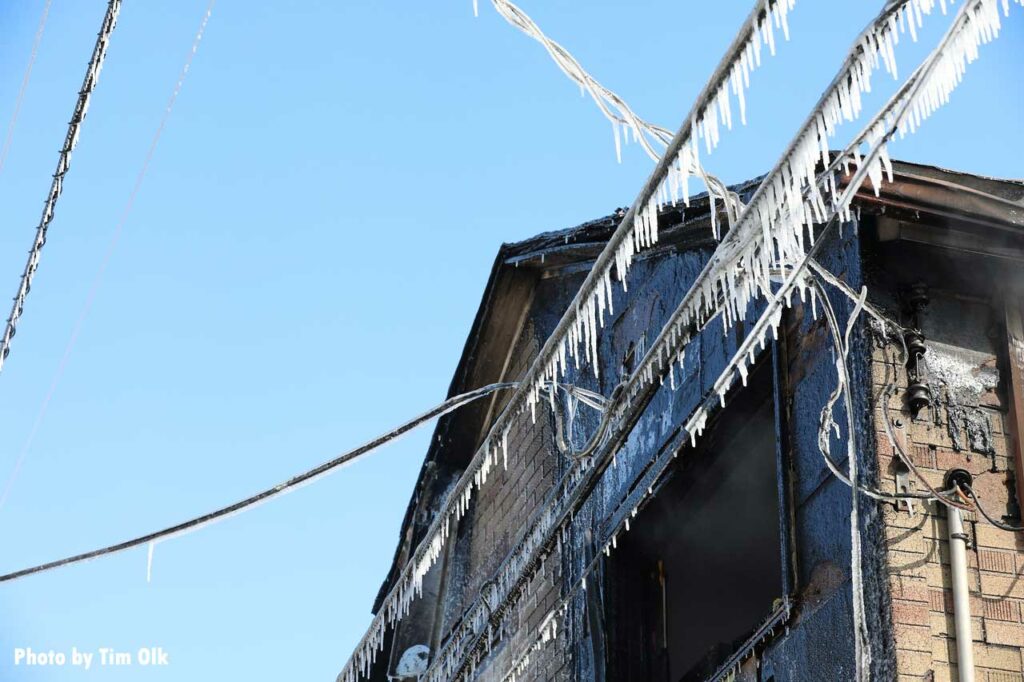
(958, 42)
(92, 74)
(626, 124)
(582, 320)
(24, 84)
(772, 229)
(304, 478)
(97, 278)
(580, 326)
(575, 333)
(792, 198)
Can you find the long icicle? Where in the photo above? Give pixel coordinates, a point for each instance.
(551, 360)
(958, 47)
(619, 253)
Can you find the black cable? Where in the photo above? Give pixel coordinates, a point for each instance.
(92, 74)
(306, 477)
(998, 524)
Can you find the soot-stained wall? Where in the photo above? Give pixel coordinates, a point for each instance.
(816, 642)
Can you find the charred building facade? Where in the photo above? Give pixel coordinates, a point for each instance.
(643, 552)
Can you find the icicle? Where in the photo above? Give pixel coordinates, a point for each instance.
(149, 562)
(618, 142)
(778, 216)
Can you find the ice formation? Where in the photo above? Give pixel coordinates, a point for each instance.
(637, 231)
(976, 23)
(773, 229)
(668, 186)
(775, 226)
(92, 76)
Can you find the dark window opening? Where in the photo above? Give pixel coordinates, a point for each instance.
(702, 567)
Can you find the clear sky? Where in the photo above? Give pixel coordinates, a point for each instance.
(301, 268)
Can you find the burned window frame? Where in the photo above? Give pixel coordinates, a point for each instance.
(775, 354)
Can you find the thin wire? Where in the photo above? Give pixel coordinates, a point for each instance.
(932, 493)
(873, 493)
(564, 430)
(24, 85)
(92, 74)
(94, 287)
(998, 524)
(887, 393)
(309, 476)
(654, 139)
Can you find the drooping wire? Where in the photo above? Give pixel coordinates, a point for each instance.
(564, 426)
(654, 139)
(24, 85)
(988, 517)
(306, 477)
(885, 394)
(98, 277)
(873, 493)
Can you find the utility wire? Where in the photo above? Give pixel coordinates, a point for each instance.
(873, 44)
(652, 138)
(92, 74)
(244, 505)
(732, 72)
(844, 388)
(614, 108)
(94, 287)
(24, 85)
(988, 517)
(673, 332)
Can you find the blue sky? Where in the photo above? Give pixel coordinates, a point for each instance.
(301, 268)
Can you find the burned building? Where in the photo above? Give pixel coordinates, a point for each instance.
(645, 552)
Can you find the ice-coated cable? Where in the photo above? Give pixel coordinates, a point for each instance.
(841, 206)
(92, 74)
(637, 230)
(98, 277)
(625, 123)
(304, 478)
(578, 327)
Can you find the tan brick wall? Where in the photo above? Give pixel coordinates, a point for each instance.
(918, 549)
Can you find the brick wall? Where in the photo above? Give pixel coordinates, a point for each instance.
(917, 545)
(499, 513)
